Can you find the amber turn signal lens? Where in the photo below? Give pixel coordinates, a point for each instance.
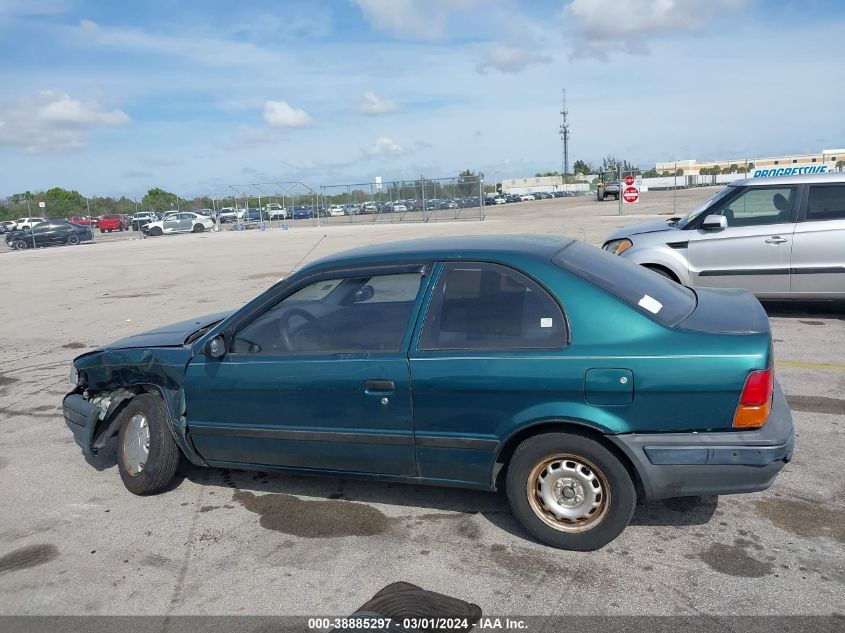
(755, 403)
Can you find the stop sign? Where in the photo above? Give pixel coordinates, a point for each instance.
(631, 194)
(629, 180)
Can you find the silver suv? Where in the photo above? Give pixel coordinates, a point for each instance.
(781, 238)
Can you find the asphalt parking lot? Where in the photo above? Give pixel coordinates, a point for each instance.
(74, 541)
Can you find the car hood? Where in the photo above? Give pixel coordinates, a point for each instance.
(652, 226)
(172, 335)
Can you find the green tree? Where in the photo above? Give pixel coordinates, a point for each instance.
(734, 168)
(63, 203)
(840, 164)
(750, 166)
(680, 172)
(582, 167)
(160, 200)
(467, 184)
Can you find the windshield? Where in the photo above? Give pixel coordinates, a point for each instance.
(687, 219)
(642, 289)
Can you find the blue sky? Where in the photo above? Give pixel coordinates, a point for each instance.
(113, 98)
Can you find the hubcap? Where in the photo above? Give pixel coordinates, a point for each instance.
(136, 444)
(568, 493)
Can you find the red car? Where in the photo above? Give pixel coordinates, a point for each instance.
(113, 222)
(83, 220)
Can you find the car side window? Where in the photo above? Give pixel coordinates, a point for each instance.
(826, 203)
(490, 307)
(758, 206)
(343, 315)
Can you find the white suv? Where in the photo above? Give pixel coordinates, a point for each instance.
(27, 223)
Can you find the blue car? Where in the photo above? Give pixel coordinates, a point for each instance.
(573, 380)
(301, 213)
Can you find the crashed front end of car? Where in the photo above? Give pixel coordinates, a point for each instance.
(106, 379)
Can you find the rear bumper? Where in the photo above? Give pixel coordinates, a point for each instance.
(714, 463)
(81, 418)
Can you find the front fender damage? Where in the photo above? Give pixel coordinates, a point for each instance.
(109, 378)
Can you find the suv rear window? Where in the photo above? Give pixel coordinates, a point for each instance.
(647, 291)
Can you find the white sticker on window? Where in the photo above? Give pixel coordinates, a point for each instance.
(546, 322)
(651, 304)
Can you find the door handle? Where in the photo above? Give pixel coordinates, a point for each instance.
(379, 386)
(776, 239)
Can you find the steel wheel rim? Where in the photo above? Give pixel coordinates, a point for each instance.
(136, 444)
(568, 493)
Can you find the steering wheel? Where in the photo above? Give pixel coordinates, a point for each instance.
(287, 337)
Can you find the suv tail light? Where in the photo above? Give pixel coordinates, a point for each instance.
(755, 403)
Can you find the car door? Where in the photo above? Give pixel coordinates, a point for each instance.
(171, 224)
(186, 222)
(487, 352)
(753, 252)
(318, 380)
(818, 249)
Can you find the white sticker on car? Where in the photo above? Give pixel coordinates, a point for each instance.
(650, 303)
(546, 322)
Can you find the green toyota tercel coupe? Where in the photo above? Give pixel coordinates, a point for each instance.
(572, 379)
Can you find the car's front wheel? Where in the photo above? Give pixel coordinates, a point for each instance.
(147, 454)
(156, 231)
(20, 245)
(569, 491)
(73, 240)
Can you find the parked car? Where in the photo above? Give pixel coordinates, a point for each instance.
(336, 210)
(526, 197)
(252, 216)
(181, 222)
(228, 214)
(83, 220)
(23, 224)
(301, 212)
(141, 218)
(781, 238)
(399, 207)
(49, 233)
(113, 222)
(275, 211)
(9, 225)
(574, 380)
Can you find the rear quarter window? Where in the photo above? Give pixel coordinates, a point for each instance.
(644, 290)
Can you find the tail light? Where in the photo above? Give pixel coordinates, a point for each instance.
(755, 403)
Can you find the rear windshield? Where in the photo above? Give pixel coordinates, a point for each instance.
(642, 289)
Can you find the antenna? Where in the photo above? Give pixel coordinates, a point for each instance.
(564, 134)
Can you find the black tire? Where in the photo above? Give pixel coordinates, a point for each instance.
(616, 197)
(199, 228)
(73, 240)
(156, 231)
(616, 491)
(20, 245)
(163, 456)
(102, 230)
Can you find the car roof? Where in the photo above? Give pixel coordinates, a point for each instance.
(476, 247)
(827, 177)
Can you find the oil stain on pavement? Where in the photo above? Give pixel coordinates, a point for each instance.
(29, 556)
(313, 519)
(817, 404)
(802, 518)
(734, 560)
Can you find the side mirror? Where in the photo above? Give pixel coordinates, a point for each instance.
(216, 347)
(714, 223)
(364, 293)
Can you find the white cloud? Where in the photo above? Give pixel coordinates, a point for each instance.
(413, 19)
(197, 47)
(509, 59)
(601, 26)
(52, 120)
(373, 105)
(280, 114)
(385, 146)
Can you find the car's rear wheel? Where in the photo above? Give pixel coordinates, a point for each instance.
(199, 228)
(73, 240)
(570, 491)
(156, 231)
(147, 454)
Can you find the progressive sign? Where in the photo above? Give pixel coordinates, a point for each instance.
(794, 170)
